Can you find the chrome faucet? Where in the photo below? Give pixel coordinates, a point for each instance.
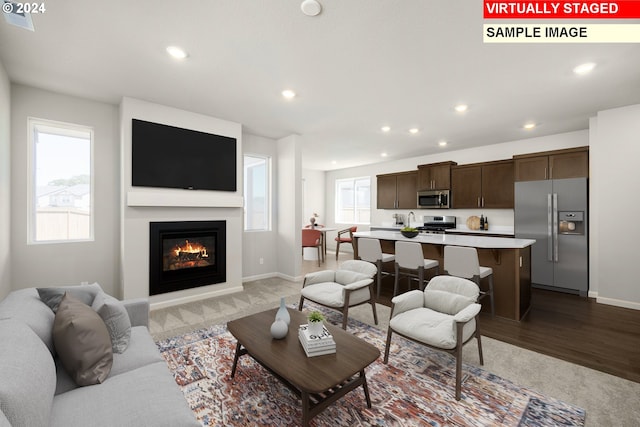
(409, 218)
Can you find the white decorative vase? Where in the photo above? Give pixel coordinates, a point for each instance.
(282, 312)
(279, 329)
(315, 328)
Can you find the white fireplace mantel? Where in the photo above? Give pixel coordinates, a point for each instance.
(196, 199)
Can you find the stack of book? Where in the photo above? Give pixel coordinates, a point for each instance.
(316, 345)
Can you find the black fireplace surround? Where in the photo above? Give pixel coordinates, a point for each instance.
(186, 254)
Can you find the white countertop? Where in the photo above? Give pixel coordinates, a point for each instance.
(501, 230)
(483, 242)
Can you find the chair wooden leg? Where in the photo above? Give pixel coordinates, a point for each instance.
(420, 278)
(300, 304)
(345, 309)
(388, 344)
(379, 274)
(319, 255)
(372, 301)
(337, 249)
(396, 279)
(458, 360)
(479, 340)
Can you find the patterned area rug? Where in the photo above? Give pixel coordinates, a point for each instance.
(416, 388)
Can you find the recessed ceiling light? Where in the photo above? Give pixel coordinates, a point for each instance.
(585, 68)
(289, 94)
(385, 128)
(461, 108)
(529, 126)
(414, 130)
(311, 7)
(442, 143)
(177, 52)
(383, 154)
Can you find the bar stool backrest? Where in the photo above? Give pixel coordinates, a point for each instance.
(461, 261)
(369, 249)
(409, 255)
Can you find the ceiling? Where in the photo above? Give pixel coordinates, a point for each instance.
(358, 66)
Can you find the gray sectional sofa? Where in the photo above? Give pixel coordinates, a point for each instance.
(36, 390)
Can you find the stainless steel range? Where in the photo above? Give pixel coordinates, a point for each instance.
(437, 224)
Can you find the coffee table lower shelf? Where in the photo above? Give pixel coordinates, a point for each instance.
(313, 403)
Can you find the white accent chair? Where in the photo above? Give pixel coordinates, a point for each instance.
(444, 316)
(461, 261)
(350, 285)
(410, 262)
(370, 250)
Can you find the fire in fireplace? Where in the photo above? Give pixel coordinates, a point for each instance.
(186, 254)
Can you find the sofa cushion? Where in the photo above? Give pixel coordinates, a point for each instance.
(115, 316)
(147, 396)
(25, 305)
(142, 351)
(82, 342)
(27, 375)
(53, 296)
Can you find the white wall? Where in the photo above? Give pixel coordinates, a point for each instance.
(66, 263)
(289, 205)
(498, 217)
(5, 182)
(614, 206)
(175, 205)
(313, 199)
(258, 245)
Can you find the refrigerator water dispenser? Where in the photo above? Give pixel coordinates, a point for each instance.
(571, 222)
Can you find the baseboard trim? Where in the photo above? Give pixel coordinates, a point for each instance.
(259, 277)
(290, 278)
(192, 298)
(618, 303)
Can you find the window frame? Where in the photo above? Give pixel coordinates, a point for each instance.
(269, 192)
(337, 204)
(62, 129)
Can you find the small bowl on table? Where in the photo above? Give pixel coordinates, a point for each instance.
(409, 233)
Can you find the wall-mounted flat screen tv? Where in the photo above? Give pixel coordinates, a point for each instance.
(171, 157)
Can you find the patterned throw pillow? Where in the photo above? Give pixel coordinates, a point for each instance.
(115, 316)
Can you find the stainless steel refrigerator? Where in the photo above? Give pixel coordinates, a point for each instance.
(554, 213)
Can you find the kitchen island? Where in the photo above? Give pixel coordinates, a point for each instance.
(509, 258)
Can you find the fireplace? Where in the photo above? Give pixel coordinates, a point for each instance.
(186, 254)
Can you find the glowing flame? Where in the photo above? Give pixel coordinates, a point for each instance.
(191, 248)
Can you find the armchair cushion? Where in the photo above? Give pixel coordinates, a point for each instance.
(445, 302)
(319, 277)
(407, 301)
(332, 294)
(345, 277)
(430, 327)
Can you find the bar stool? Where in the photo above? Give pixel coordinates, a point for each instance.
(410, 262)
(371, 251)
(461, 261)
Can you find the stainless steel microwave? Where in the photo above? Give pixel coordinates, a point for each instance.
(434, 199)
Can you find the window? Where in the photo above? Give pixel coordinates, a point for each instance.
(61, 182)
(257, 189)
(353, 201)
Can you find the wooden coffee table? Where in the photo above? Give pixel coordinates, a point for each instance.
(318, 380)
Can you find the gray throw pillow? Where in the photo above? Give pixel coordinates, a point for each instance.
(53, 296)
(82, 342)
(115, 317)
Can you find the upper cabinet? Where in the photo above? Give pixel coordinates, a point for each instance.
(569, 163)
(397, 190)
(435, 176)
(483, 185)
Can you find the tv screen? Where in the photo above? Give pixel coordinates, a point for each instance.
(171, 157)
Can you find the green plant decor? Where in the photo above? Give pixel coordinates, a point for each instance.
(315, 316)
(408, 229)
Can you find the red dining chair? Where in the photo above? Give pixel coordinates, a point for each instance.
(345, 239)
(313, 239)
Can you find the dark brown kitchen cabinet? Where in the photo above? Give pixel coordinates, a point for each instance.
(559, 164)
(397, 190)
(483, 185)
(435, 176)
